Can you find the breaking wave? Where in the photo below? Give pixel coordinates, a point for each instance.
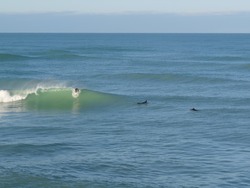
(55, 98)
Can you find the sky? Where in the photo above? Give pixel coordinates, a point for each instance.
(125, 16)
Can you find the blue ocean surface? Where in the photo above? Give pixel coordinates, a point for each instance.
(102, 137)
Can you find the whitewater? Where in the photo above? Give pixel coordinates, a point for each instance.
(106, 135)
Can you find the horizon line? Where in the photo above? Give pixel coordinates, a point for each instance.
(124, 32)
(124, 13)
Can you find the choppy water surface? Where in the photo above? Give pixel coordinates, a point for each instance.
(102, 137)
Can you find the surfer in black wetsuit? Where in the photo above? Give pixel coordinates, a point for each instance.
(194, 109)
(144, 102)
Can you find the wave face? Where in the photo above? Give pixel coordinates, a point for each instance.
(55, 99)
(62, 98)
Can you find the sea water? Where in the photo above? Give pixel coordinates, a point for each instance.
(103, 138)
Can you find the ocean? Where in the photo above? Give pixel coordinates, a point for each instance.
(104, 137)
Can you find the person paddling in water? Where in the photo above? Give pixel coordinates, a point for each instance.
(194, 109)
(144, 102)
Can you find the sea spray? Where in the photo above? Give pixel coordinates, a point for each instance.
(5, 97)
(21, 94)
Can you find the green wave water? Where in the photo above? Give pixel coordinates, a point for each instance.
(63, 99)
(56, 99)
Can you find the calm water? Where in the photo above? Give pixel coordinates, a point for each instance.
(103, 138)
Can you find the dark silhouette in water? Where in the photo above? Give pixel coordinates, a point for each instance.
(76, 90)
(194, 109)
(144, 102)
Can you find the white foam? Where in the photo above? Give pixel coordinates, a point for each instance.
(17, 95)
(5, 96)
(75, 94)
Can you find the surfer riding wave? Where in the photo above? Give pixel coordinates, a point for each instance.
(76, 92)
